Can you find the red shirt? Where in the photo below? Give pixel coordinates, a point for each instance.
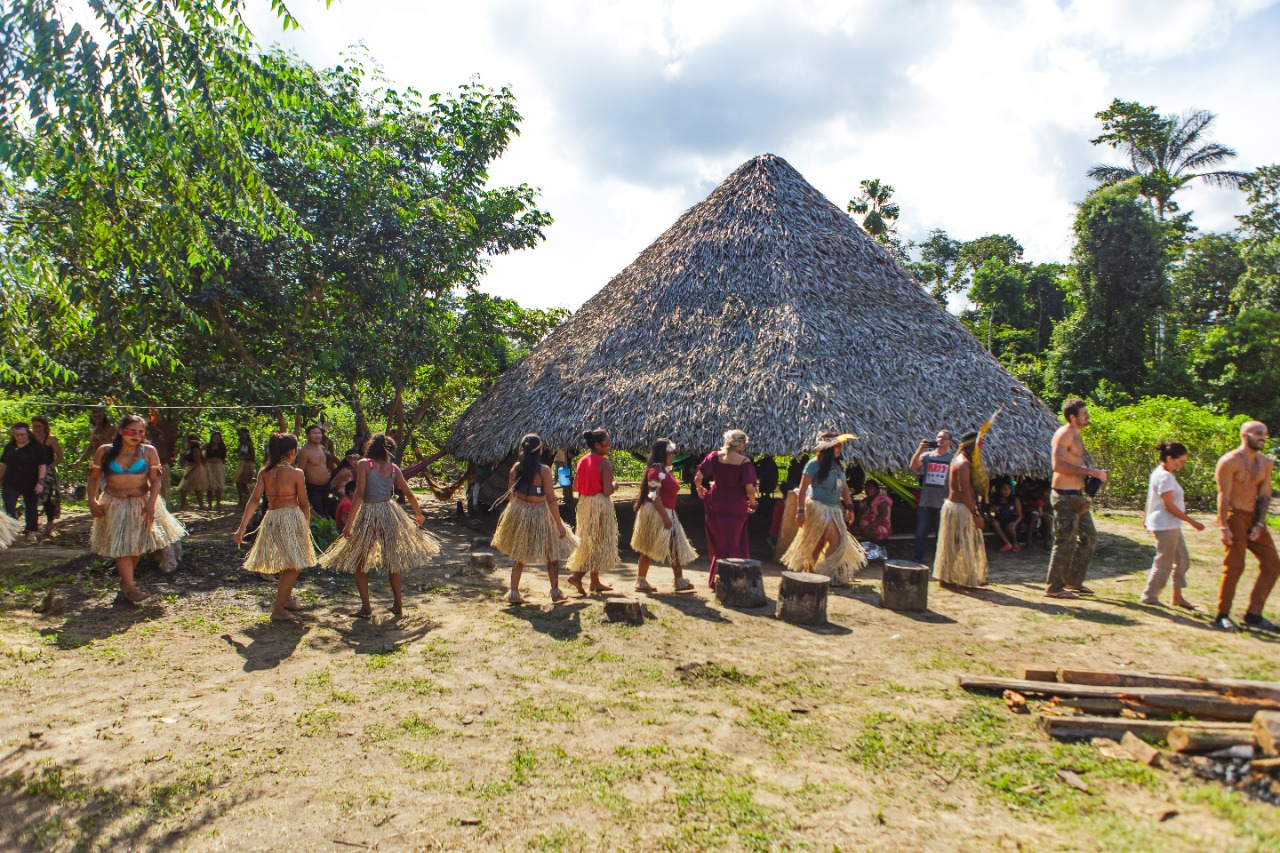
(340, 514)
(669, 490)
(589, 480)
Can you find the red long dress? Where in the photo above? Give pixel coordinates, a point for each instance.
(726, 509)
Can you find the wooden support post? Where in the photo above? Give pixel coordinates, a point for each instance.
(1189, 741)
(624, 610)
(481, 559)
(802, 598)
(480, 542)
(905, 586)
(1266, 731)
(739, 583)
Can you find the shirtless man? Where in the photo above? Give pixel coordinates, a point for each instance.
(1074, 535)
(1244, 495)
(317, 464)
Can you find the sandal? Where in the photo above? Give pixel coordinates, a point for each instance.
(643, 585)
(684, 585)
(513, 597)
(1006, 548)
(1062, 593)
(1081, 590)
(557, 596)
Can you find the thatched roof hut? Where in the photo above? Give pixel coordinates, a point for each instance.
(767, 308)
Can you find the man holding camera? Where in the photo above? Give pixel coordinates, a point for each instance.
(931, 462)
(1074, 536)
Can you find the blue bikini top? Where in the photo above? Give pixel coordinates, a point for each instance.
(138, 467)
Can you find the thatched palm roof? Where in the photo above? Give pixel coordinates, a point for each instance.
(767, 308)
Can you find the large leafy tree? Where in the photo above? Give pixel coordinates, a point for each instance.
(1260, 241)
(1163, 153)
(1240, 364)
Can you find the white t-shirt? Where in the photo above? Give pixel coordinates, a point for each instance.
(1159, 518)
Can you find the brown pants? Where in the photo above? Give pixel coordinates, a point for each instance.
(1264, 549)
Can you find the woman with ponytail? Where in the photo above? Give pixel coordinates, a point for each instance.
(531, 530)
(129, 517)
(379, 534)
(823, 544)
(658, 534)
(597, 521)
(1166, 510)
(283, 545)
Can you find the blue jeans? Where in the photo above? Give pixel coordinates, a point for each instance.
(927, 518)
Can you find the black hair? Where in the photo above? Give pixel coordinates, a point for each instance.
(529, 464)
(350, 487)
(308, 430)
(871, 483)
(216, 434)
(826, 461)
(1171, 450)
(117, 444)
(657, 456)
(593, 437)
(278, 447)
(380, 447)
(1072, 407)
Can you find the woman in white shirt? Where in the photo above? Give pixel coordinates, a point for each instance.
(1166, 510)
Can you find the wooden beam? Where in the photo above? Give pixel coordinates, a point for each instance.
(1266, 732)
(1032, 674)
(1239, 688)
(1201, 704)
(1189, 741)
(1086, 728)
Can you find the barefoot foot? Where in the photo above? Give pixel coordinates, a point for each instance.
(575, 581)
(363, 613)
(291, 604)
(397, 609)
(282, 616)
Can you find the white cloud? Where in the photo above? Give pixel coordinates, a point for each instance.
(979, 113)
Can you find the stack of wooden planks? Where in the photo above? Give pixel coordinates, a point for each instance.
(1191, 715)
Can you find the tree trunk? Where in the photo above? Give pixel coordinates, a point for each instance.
(739, 584)
(357, 406)
(1190, 741)
(802, 598)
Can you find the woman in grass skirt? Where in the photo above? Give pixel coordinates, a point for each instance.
(531, 530)
(193, 476)
(379, 534)
(658, 534)
(129, 517)
(961, 556)
(215, 469)
(246, 464)
(823, 544)
(597, 522)
(283, 543)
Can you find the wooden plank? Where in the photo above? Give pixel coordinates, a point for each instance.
(1202, 706)
(1206, 704)
(1240, 688)
(1032, 674)
(1086, 728)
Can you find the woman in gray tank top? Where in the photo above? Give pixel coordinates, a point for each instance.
(379, 534)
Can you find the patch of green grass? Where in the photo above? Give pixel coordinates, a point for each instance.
(54, 782)
(522, 767)
(321, 679)
(713, 673)
(317, 721)
(197, 622)
(436, 655)
(415, 726)
(181, 794)
(382, 658)
(559, 839)
(783, 729)
(1256, 822)
(546, 711)
(417, 685)
(344, 697)
(422, 762)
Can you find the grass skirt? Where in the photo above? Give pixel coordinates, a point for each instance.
(841, 564)
(215, 475)
(283, 543)
(789, 529)
(382, 536)
(122, 532)
(598, 531)
(10, 529)
(962, 555)
(526, 534)
(657, 542)
(244, 472)
(193, 480)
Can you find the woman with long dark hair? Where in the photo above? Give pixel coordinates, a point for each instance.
(379, 534)
(193, 478)
(1166, 511)
(730, 501)
(246, 463)
(823, 544)
(215, 469)
(530, 530)
(597, 522)
(658, 534)
(51, 497)
(283, 544)
(129, 517)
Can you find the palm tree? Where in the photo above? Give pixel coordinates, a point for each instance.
(878, 214)
(1165, 152)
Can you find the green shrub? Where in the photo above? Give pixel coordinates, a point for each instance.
(1123, 441)
(323, 531)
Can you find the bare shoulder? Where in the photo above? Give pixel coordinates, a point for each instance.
(1061, 433)
(151, 454)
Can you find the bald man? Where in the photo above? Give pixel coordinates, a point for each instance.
(1244, 494)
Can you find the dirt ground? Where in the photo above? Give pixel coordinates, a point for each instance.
(194, 722)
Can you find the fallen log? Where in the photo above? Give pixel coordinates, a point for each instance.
(1202, 706)
(1189, 741)
(1087, 728)
(1266, 732)
(1240, 688)
(1198, 704)
(1140, 750)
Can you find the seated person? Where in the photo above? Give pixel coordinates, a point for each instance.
(1035, 512)
(343, 509)
(873, 518)
(1006, 512)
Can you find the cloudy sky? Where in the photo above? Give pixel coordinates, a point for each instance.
(978, 113)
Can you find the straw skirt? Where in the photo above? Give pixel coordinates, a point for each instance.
(244, 473)
(193, 479)
(123, 533)
(526, 535)
(962, 555)
(598, 531)
(840, 564)
(656, 542)
(283, 543)
(215, 475)
(10, 529)
(789, 529)
(382, 536)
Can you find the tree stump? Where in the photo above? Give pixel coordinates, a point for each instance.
(802, 598)
(739, 583)
(1266, 732)
(480, 542)
(481, 559)
(624, 610)
(905, 586)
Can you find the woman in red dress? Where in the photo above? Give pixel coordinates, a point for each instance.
(730, 500)
(658, 534)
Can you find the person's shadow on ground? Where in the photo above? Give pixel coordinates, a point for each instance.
(269, 644)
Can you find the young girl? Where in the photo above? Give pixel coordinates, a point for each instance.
(129, 518)
(823, 544)
(1006, 509)
(530, 530)
(283, 545)
(597, 522)
(192, 475)
(874, 520)
(379, 534)
(215, 469)
(658, 534)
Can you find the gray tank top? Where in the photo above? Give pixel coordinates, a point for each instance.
(378, 488)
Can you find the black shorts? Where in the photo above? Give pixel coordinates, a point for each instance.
(318, 497)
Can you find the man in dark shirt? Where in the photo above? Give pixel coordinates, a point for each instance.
(22, 468)
(932, 461)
